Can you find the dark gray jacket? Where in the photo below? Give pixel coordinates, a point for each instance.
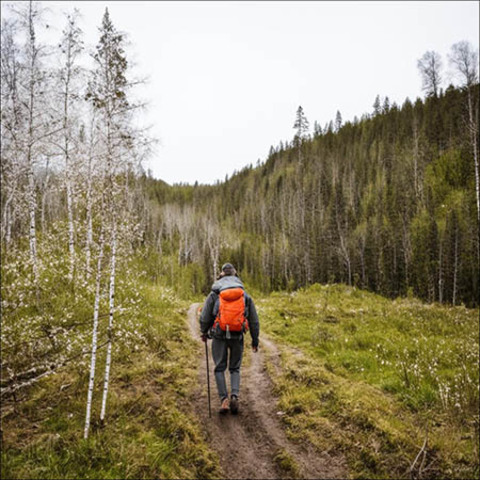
(210, 308)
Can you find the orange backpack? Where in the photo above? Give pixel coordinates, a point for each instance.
(231, 312)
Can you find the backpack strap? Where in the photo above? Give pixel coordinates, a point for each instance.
(245, 312)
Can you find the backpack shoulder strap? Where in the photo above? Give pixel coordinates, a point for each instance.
(246, 299)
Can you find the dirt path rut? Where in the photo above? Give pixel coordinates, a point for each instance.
(251, 444)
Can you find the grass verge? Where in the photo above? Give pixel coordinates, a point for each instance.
(371, 378)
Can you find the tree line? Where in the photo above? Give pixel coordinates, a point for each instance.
(388, 202)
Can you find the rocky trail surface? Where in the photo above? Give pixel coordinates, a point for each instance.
(253, 443)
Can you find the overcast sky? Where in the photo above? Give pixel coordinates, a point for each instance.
(225, 78)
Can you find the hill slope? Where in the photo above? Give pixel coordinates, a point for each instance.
(386, 203)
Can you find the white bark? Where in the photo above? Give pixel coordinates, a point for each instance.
(32, 201)
(71, 228)
(455, 267)
(32, 207)
(110, 323)
(45, 193)
(71, 47)
(94, 338)
(7, 218)
(89, 237)
(68, 185)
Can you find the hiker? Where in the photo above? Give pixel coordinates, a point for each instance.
(226, 315)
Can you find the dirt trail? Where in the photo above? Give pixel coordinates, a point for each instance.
(248, 443)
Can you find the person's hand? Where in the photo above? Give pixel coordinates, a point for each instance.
(204, 337)
(254, 349)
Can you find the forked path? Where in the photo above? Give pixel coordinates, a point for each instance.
(249, 444)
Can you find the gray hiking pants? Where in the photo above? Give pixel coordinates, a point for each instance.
(220, 349)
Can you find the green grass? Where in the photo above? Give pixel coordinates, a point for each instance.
(287, 464)
(149, 431)
(372, 375)
(361, 376)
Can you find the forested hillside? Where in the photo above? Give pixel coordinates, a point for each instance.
(385, 203)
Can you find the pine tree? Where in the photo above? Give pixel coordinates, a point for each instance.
(377, 106)
(301, 124)
(386, 105)
(338, 121)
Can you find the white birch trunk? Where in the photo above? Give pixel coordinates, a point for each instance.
(32, 200)
(7, 218)
(455, 268)
(68, 179)
(71, 228)
(44, 195)
(89, 239)
(32, 207)
(108, 361)
(94, 338)
(89, 200)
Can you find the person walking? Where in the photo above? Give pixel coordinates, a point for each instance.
(226, 316)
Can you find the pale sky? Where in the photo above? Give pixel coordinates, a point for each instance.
(226, 78)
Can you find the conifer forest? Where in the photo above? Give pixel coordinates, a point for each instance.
(359, 240)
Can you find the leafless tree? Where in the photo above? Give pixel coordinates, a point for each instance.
(430, 66)
(71, 47)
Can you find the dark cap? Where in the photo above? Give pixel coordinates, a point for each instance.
(227, 266)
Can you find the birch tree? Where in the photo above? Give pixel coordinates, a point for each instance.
(71, 47)
(93, 357)
(34, 89)
(90, 149)
(107, 92)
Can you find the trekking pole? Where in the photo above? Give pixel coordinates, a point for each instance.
(208, 382)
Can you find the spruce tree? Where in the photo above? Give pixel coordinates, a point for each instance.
(338, 121)
(301, 124)
(377, 106)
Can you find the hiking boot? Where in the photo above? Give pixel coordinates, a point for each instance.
(234, 404)
(225, 406)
